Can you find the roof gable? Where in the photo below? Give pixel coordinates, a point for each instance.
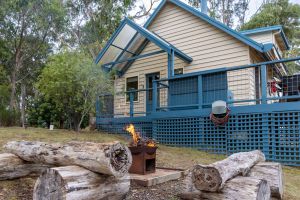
(148, 35)
(257, 46)
(269, 29)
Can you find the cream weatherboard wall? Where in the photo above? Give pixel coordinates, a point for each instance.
(209, 47)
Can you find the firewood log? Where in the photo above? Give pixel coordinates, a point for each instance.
(12, 167)
(272, 172)
(250, 188)
(77, 183)
(106, 158)
(213, 177)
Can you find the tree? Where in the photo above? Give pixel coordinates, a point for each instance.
(93, 21)
(226, 10)
(72, 82)
(280, 12)
(27, 29)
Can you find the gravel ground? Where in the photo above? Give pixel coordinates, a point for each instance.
(164, 191)
(23, 188)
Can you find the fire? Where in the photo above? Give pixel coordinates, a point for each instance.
(135, 135)
(137, 139)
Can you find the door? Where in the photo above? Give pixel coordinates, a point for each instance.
(149, 91)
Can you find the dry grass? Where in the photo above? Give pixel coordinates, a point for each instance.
(167, 157)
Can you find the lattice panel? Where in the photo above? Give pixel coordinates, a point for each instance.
(245, 132)
(214, 138)
(183, 132)
(277, 134)
(284, 138)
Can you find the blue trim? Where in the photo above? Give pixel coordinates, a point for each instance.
(171, 64)
(262, 29)
(263, 74)
(138, 51)
(269, 28)
(237, 35)
(231, 68)
(134, 58)
(110, 41)
(147, 34)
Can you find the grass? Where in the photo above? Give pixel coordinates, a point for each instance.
(166, 157)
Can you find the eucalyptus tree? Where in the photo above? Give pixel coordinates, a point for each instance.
(28, 29)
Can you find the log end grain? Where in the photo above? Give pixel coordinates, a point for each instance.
(206, 178)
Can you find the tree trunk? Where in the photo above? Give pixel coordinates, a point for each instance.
(106, 158)
(12, 167)
(23, 104)
(12, 101)
(250, 188)
(77, 183)
(272, 172)
(213, 177)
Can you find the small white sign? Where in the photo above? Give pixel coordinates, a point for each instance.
(51, 127)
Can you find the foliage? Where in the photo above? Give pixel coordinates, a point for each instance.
(226, 10)
(72, 82)
(93, 21)
(280, 12)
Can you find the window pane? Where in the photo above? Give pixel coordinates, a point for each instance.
(132, 84)
(178, 71)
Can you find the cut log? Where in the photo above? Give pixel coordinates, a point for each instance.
(106, 158)
(213, 177)
(12, 167)
(272, 172)
(250, 188)
(77, 183)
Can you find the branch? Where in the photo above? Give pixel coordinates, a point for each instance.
(146, 12)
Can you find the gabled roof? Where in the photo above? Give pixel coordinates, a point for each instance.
(267, 29)
(130, 34)
(257, 46)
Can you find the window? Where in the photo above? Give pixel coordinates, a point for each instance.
(132, 84)
(178, 71)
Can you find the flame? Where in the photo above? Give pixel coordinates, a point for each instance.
(135, 135)
(151, 144)
(137, 138)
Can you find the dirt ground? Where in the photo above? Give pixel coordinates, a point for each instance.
(183, 158)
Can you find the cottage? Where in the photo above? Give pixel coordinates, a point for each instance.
(170, 71)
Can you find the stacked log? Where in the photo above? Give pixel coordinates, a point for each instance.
(12, 167)
(272, 172)
(106, 158)
(74, 182)
(240, 176)
(86, 170)
(213, 177)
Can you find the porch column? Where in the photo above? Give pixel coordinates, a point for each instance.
(154, 96)
(171, 64)
(131, 98)
(263, 74)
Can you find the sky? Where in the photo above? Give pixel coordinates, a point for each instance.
(253, 6)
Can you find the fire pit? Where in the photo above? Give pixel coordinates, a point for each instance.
(143, 152)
